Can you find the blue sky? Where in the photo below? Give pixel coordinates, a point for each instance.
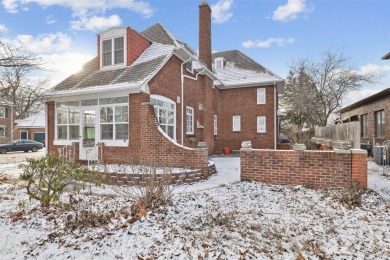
(275, 33)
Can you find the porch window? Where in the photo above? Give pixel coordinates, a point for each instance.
(380, 123)
(164, 109)
(68, 124)
(364, 125)
(190, 120)
(236, 123)
(114, 122)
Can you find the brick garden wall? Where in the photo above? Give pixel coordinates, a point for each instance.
(322, 169)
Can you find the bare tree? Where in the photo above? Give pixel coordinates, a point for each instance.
(315, 90)
(13, 57)
(16, 84)
(18, 88)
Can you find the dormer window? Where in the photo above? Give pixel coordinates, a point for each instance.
(113, 48)
(219, 63)
(113, 51)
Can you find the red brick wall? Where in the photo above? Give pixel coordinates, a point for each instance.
(30, 131)
(369, 109)
(7, 122)
(322, 169)
(243, 102)
(167, 83)
(205, 34)
(136, 45)
(359, 167)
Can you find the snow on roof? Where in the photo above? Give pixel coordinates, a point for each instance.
(134, 75)
(35, 121)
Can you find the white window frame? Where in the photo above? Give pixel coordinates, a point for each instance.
(67, 124)
(261, 96)
(76, 105)
(112, 34)
(169, 101)
(2, 112)
(219, 63)
(215, 125)
(20, 134)
(261, 129)
(236, 127)
(114, 122)
(190, 123)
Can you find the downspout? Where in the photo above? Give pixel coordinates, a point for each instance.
(182, 98)
(275, 115)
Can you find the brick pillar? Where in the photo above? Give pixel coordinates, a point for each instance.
(359, 167)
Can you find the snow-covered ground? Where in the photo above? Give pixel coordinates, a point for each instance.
(218, 218)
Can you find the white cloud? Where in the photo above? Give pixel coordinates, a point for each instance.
(60, 66)
(3, 28)
(50, 19)
(221, 11)
(10, 5)
(138, 6)
(95, 23)
(267, 43)
(374, 68)
(290, 10)
(44, 43)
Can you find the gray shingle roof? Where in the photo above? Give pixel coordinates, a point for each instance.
(242, 61)
(158, 33)
(136, 74)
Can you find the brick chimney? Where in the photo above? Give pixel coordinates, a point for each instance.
(205, 34)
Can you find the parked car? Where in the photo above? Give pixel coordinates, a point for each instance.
(21, 145)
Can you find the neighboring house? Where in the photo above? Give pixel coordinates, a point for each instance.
(372, 113)
(6, 121)
(220, 98)
(32, 127)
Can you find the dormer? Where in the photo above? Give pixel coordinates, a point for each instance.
(219, 63)
(119, 47)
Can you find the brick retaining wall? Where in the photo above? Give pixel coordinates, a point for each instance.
(321, 169)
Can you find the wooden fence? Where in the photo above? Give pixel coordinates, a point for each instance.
(340, 133)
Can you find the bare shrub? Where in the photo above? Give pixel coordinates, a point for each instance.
(147, 187)
(351, 197)
(86, 215)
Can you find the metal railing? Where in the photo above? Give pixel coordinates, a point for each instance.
(68, 152)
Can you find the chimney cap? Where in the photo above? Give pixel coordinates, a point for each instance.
(204, 3)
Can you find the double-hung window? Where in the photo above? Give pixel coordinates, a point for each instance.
(380, 123)
(2, 131)
(261, 124)
(113, 51)
(261, 96)
(68, 124)
(364, 125)
(2, 112)
(190, 120)
(114, 118)
(236, 123)
(165, 111)
(215, 125)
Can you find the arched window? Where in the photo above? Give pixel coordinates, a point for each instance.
(165, 111)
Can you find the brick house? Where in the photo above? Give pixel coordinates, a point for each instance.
(6, 121)
(32, 127)
(371, 113)
(149, 94)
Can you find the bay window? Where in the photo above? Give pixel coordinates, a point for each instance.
(165, 112)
